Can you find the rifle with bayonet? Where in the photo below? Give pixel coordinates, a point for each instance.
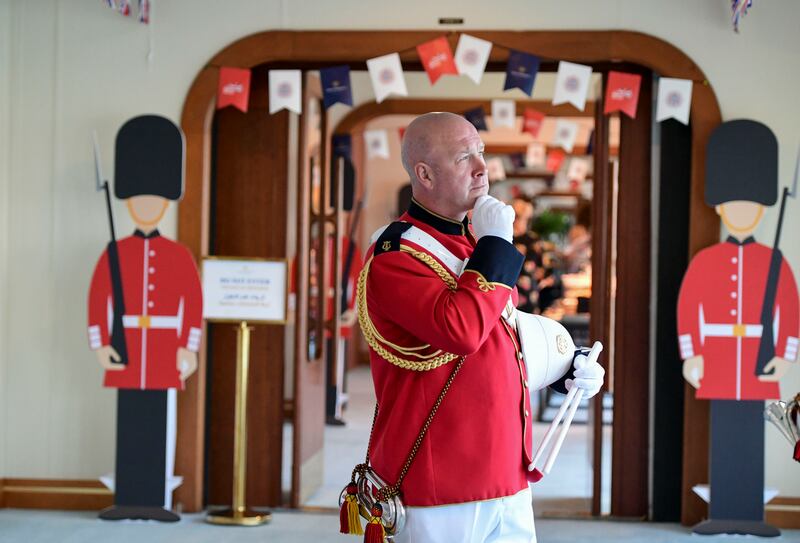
(766, 347)
(117, 331)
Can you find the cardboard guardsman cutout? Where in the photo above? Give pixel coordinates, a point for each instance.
(145, 311)
(738, 324)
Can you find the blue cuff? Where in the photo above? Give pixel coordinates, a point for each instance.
(497, 260)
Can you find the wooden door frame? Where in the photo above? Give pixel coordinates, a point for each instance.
(325, 48)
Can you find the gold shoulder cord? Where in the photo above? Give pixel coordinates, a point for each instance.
(378, 343)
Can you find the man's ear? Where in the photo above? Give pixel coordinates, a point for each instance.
(424, 175)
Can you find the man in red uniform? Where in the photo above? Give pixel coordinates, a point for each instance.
(720, 324)
(436, 290)
(162, 321)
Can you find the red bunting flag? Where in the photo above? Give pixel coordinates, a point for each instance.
(234, 88)
(532, 121)
(554, 160)
(622, 93)
(437, 58)
(402, 132)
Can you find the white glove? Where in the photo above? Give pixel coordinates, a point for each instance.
(491, 217)
(588, 377)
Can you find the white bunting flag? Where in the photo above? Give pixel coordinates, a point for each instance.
(377, 143)
(472, 54)
(495, 169)
(386, 74)
(284, 90)
(565, 134)
(535, 156)
(674, 99)
(572, 84)
(504, 113)
(578, 170)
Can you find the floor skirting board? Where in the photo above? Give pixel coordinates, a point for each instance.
(63, 494)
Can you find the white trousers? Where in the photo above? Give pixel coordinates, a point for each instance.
(506, 520)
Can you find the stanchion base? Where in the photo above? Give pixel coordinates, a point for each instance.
(229, 517)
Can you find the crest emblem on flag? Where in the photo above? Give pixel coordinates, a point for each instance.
(377, 143)
(572, 84)
(471, 56)
(521, 71)
(386, 74)
(674, 99)
(284, 90)
(336, 86)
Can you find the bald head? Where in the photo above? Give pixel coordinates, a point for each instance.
(443, 155)
(425, 134)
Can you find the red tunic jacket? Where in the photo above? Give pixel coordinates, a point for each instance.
(164, 310)
(719, 317)
(479, 444)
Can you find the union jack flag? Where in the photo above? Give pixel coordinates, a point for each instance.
(144, 11)
(739, 8)
(124, 7)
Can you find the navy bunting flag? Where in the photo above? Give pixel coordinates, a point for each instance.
(336, 86)
(521, 71)
(477, 117)
(341, 145)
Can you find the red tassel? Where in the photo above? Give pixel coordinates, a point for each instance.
(344, 525)
(375, 532)
(349, 520)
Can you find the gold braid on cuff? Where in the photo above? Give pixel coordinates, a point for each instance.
(378, 343)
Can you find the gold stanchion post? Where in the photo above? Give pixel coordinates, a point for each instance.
(239, 515)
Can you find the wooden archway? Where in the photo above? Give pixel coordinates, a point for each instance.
(314, 49)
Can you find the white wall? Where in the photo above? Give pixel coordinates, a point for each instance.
(68, 66)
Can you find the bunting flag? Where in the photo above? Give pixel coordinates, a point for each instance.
(578, 170)
(284, 90)
(532, 121)
(144, 11)
(437, 58)
(377, 143)
(472, 54)
(124, 7)
(572, 84)
(504, 113)
(495, 169)
(622, 93)
(674, 99)
(233, 88)
(554, 160)
(565, 134)
(401, 131)
(535, 156)
(342, 145)
(386, 74)
(112, 4)
(521, 71)
(477, 117)
(336, 86)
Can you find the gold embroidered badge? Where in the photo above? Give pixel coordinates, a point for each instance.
(386, 245)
